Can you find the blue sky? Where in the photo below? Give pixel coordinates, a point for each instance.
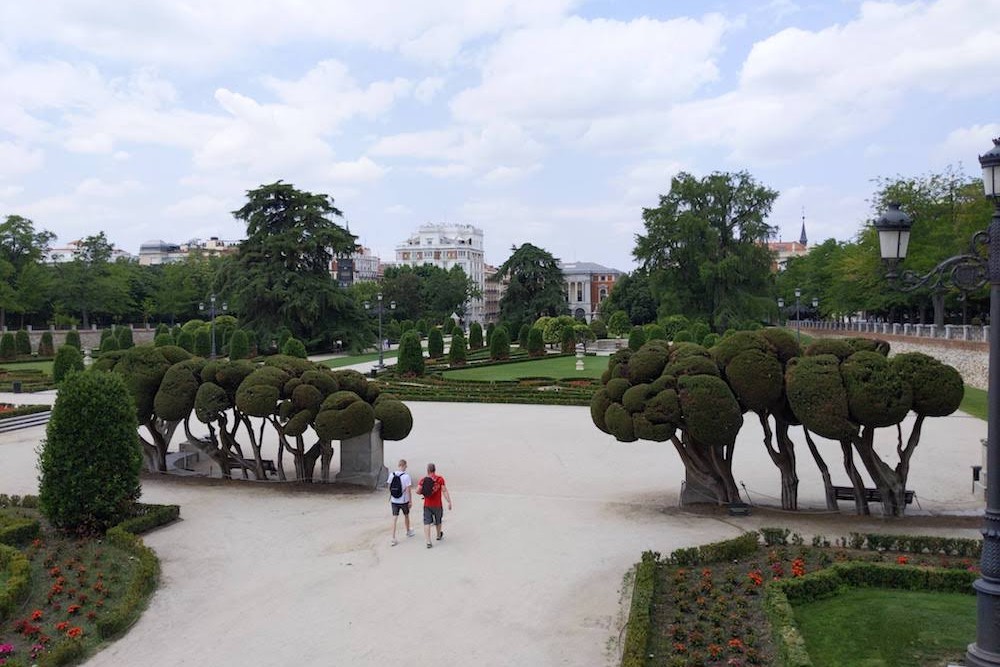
(546, 121)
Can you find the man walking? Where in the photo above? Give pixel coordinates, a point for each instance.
(432, 487)
(400, 485)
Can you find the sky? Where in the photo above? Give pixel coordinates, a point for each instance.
(553, 122)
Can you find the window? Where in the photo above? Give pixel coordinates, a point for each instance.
(604, 293)
(579, 292)
(406, 255)
(437, 254)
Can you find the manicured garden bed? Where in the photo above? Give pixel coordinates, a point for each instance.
(340, 362)
(736, 603)
(31, 379)
(538, 391)
(556, 367)
(62, 596)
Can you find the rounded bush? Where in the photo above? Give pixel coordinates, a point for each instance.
(422, 327)
(692, 364)
(619, 423)
(938, 388)
(174, 354)
(488, 335)
(202, 342)
(838, 348)
(109, 344)
(293, 347)
(73, 338)
(536, 342)
(351, 380)
(598, 407)
(8, 348)
(299, 422)
(522, 336)
(634, 398)
(396, 418)
(599, 328)
(655, 332)
(457, 353)
(162, 340)
(45, 346)
(143, 369)
(175, 396)
(411, 355)
(683, 336)
(291, 365)
(699, 330)
(757, 379)
(162, 328)
(568, 341)
(878, 395)
(861, 344)
(729, 348)
(647, 364)
(22, 342)
(68, 359)
(637, 338)
(710, 340)
(322, 380)
(817, 396)
(185, 340)
(123, 335)
(435, 343)
(500, 344)
(710, 411)
(239, 345)
(475, 336)
(616, 388)
(354, 419)
(90, 459)
(211, 402)
(306, 397)
(647, 430)
(664, 408)
(257, 399)
(783, 341)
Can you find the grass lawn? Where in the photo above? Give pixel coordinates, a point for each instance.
(974, 402)
(44, 365)
(559, 368)
(869, 627)
(338, 362)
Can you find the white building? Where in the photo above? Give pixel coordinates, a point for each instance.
(445, 246)
(156, 252)
(587, 284)
(68, 252)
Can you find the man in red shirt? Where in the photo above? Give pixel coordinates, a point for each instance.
(432, 487)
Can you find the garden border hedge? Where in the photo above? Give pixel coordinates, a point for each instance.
(17, 567)
(640, 616)
(18, 532)
(23, 410)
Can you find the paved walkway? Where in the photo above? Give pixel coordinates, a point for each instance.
(549, 515)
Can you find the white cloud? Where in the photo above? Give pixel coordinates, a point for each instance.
(427, 89)
(19, 159)
(398, 209)
(200, 206)
(362, 170)
(503, 175)
(966, 144)
(8, 191)
(95, 187)
(643, 182)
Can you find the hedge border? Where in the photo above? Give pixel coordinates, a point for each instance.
(825, 583)
(637, 629)
(17, 567)
(715, 552)
(18, 532)
(23, 410)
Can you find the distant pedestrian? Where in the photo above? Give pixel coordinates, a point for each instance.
(432, 487)
(400, 485)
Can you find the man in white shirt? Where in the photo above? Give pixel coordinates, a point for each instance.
(400, 502)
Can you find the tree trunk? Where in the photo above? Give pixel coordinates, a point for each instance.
(937, 300)
(703, 464)
(860, 503)
(824, 470)
(783, 456)
(309, 462)
(888, 481)
(326, 457)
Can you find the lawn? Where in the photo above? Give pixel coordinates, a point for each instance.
(974, 402)
(43, 365)
(886, 628)
(558, 368)
(338, 362)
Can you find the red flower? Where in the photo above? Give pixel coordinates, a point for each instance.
(798, 567)
(735, 643)
(902, 560)
(55, 572)
(72, 609)
(36, 615)
(679, 647)
(75, 632)
(62, 625)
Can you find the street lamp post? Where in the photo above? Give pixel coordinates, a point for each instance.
(379, 309)
(781, 307)
(969, 272)
(211, 313)
(798, 316)
(815, 310)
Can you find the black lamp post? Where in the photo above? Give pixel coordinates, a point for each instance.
(969, 272)
(781, 307)
(816, 308)
(798, 316)
(379, 309)
(211, 313)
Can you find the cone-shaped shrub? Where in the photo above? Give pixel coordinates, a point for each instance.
(637, 338)
(522, 336)
(68, 359)
(293, 347)
(457, 352)
(435, 343)
(393, 331)
(411, 355)
(162, 340)
(73, 338)
(22, 343)
(488, 335)
(448, 327)
(536, 343)
(475, 336)
(8, 348)
(500, 344)
(239, 345)
(422, 327)
(185, 340)
(124, 337)
(162, 328)
(202, 342)
(109, 344)
(45, 346)
(568, 340)
(90, 459)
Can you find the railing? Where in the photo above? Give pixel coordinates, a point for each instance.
(947, 332)
(26, 421)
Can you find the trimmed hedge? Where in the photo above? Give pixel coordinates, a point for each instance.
(638, 628)
(23, 410)
(726, 550)
(17, 531)
(16, 565)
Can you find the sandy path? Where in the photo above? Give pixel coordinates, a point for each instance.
(549, 515)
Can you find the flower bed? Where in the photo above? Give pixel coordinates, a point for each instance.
(729, 603)
(435, 388)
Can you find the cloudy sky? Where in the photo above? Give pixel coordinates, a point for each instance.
(549, 121)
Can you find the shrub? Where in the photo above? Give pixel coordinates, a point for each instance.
(457, 352)
(17, 531)
(422, 327)
(89, 463)
(68, 359)
(185, 340)
(411, 355)
(536, 344)
(17, 570)
(637, 338)
(73, 338)
(488, 336)
(45, 346)
(655, 332)
(717, 552)
(568, 342)
(109, 344)
(522, 336)
(639, 619)
(397, 421)
(447, 327)
(683, 336)
(22, 343)
(500, 344)
(435, 343)
(162, 340)
(393, 331)
(475, 336)
(293, 347)
(619, 323)
(239, 345)
(162, 328)
(124, 337)
(600, 329)
(8, 348)
(202, 342)
(710, 340)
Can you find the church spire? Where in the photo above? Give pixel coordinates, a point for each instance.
(802, 237)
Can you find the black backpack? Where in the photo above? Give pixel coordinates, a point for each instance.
(396, 485)
(428, 486)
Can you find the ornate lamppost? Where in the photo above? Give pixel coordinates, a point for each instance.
(211, 313)
(379, 308)
(968, 272)
(781, 307)
(798, 316)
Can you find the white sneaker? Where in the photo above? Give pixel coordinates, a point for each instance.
(411, 533)
(393, 543)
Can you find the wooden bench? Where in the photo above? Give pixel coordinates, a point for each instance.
(266, 464)
(871, 495)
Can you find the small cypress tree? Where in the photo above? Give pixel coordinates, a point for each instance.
(411, 355)
(475, 336)
(68, 359)
(522, 336)
(124, 337)
(239, 345)
(536, 342)
(435, 343)
(293, 347)
(637, 338)
(109, 344)
(73, 338)
(422, 328)
(655, 332)
(162, 328)
(567, 342)
(175, 331)
(45, 346)
(203, 342)
(490, 328)
(162, 340)
(22, 343)
(405, 326)
(184, 340)
(448, 328)
(393, 332)
(8, 348)
(500, 344)
(107, 333)
(93, 487)
(600, 329)
(457, 353)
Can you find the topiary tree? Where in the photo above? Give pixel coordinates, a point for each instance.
(637, 338)
(674, 323)
(397, 421)
(599, 328)
(123, 335)
(435, 343)
(161, 328)
(239, 345)
(536, 343)
(411, 355)
(293, 347)
(457, 353)
(185, 340)
(143, 368)
(488, 335)
(107, 333)
(73, 338)
(202, 342)
(475, 336)
(422, 327)
(656, 332)
(683, 336)
(22, 342)
(8, 348)
(393, 331)
(500, 344)
(619, 323)
(89, 462)
(162, 340)
(109, 344)
(45, 346)
(522, 336)
(68, 359)
(568, 342)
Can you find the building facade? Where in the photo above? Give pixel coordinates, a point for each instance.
(782, 251)
(492, 294)
(152, 253)
(587, 284)
(68, 252)
(446, 246)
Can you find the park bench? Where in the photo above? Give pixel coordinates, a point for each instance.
(266, 464)
(871, 495)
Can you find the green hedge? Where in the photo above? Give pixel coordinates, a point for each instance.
(147, 517)
(16, 566)
(961, 547)
(726, 550)
(23, 410)
(638, 628)
(15, 531)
